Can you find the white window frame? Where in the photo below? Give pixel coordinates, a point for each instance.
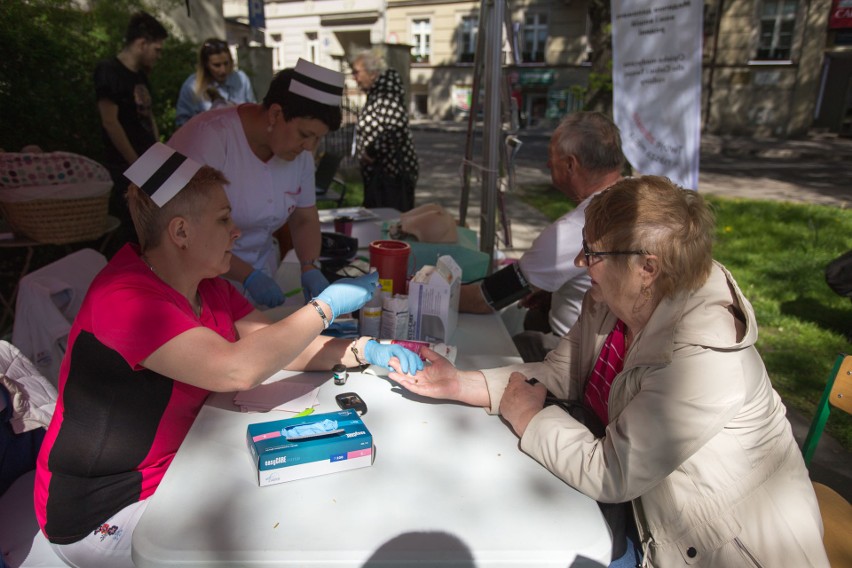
(273, 40)
(421, 39)
(533, 29)
(468, 31)
(312, 46)
(777, 46)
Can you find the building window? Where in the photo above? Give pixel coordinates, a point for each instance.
(467, 38)
(535, 38)
(421, 40)
(311, 46)
(277, 51)
(777, 19)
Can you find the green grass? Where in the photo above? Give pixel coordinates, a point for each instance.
(778, 252)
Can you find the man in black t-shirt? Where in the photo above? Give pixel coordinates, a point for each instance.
(124, 104)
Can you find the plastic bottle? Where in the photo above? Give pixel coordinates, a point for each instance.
(370, 318)
(394, 317)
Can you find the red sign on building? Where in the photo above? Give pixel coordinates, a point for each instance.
(841, 15)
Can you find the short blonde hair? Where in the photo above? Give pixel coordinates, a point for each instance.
(653, 214)
(151, 221)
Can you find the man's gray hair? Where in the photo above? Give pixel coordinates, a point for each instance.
(592, 138)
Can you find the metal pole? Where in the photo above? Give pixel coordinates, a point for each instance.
(491, 126)
(473, 112)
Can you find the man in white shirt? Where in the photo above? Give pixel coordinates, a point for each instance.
(584, 158)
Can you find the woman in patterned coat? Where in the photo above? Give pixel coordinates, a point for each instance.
(389, 165)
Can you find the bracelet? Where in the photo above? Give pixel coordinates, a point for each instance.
(325, 322)
(354, 350)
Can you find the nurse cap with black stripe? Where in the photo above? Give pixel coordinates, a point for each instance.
(317, 83)
(162, 172)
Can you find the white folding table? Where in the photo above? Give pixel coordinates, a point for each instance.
(448, 487)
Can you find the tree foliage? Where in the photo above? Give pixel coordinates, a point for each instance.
(50, 49)
(599, 91)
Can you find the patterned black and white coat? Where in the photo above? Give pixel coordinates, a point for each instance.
(383, 133)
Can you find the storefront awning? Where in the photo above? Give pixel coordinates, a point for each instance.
(540, 77)
(349, 18)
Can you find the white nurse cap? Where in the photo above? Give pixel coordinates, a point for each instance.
(162, 172)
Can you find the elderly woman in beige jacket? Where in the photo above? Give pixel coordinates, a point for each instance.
(663, 353)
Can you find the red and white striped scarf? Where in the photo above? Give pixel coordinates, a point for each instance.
(610, 363)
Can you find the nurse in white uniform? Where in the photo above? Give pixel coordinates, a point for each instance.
(266, 152)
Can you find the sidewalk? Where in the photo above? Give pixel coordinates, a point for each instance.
(815, 169)
(812, 170)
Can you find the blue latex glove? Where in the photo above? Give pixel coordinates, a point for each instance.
(377, 354)
(349, 294)
(263, 289)
(313, 282)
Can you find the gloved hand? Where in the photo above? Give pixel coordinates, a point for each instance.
(313, 282)
(377, 354)
(349, 294)
(263, 289)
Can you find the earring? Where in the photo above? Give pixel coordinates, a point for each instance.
(183, 247)
(645, 294)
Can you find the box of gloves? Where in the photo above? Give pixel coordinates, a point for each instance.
(306, 446)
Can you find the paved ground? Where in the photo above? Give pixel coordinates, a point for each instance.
(816, 170)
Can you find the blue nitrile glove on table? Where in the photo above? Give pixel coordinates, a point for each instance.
(263, 289)
(377, 354)
(349, 294)
(313, 282)
(312, 429)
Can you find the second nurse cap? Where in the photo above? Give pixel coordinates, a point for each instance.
(162, 172)
(317, 83)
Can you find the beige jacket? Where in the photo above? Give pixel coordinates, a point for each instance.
(697, 438)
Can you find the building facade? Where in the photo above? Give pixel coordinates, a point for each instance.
(771, 67)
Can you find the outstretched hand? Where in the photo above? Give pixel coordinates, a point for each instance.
(440, 379)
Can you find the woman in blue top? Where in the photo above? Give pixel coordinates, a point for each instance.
(215, 83)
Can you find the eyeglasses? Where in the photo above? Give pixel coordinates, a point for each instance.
(590, 253)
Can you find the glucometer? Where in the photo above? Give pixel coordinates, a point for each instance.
(350, 400)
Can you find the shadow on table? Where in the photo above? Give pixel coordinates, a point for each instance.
(428, 549)
(436, 550)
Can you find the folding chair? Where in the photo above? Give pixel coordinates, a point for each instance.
(837, 393)
(835, 510)
(326, 178)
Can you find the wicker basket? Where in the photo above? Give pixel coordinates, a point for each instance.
(54, 197)
(58, 221)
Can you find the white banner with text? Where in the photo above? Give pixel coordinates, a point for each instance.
(656, 74)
